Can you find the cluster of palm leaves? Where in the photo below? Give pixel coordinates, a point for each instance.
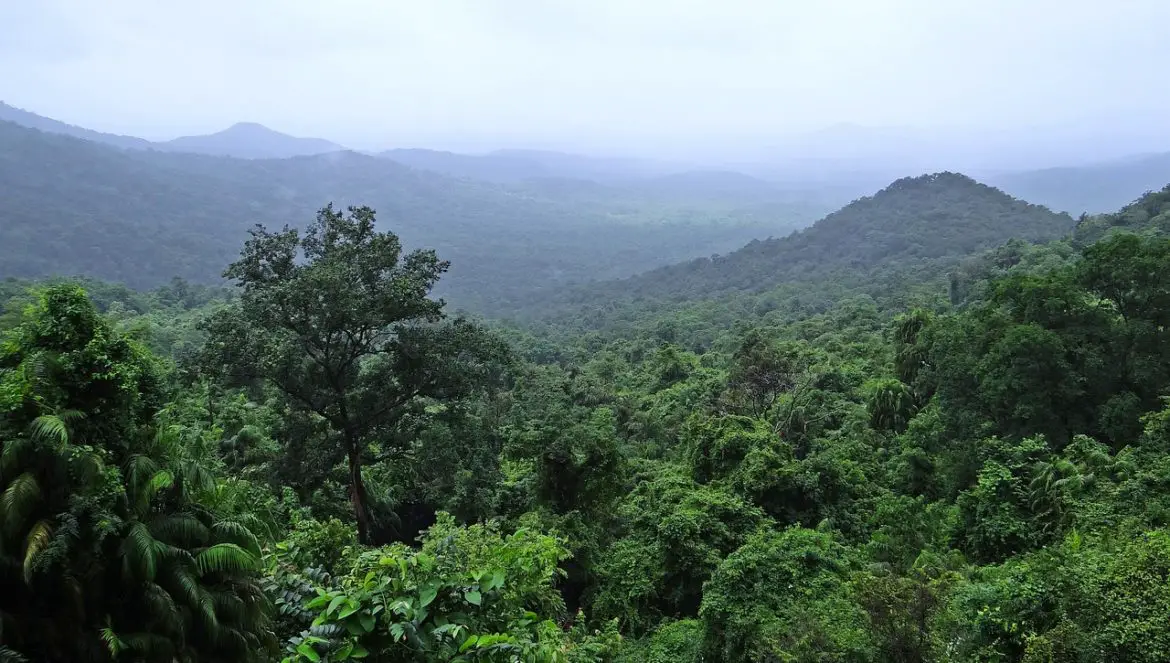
(108, 549)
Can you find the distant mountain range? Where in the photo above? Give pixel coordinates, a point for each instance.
(141, 216)
(33, 121)
(820, 171)
(1095, 189)
(245, 140)
(520, 227)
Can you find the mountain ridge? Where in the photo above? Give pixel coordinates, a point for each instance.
(243, 140)
(934, 217)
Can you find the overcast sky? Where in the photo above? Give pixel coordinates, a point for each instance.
(372, 73)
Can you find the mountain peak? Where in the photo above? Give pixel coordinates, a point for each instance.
(250, 127)
(251, 140)
(938, 217)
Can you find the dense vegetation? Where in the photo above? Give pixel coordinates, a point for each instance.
(141, 217)
(321, 465)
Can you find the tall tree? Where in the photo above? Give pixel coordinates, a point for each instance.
(339, 320)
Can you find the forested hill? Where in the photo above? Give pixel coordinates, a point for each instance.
(935, 217)
(71, 206)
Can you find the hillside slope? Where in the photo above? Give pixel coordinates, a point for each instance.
(927, 219)
(69, 206)
(33, 121)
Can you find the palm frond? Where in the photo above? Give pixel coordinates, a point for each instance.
(225, 558)
(18, 502)
(162, 607)
(184, 588)
(168, 554)
(197, 478)
(36, 541)
(228, 606)
(12, 455)
(230, 531)
(181, 529)
(139, 470)
(50, 428)
(139, 553)
(149, 646)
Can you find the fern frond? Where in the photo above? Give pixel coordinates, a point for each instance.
(18, 502)
(225, 558)
(139, 554)
(114, 644)
(229, 531)
(36, 541)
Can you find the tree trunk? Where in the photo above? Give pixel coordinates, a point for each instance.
(358, 496)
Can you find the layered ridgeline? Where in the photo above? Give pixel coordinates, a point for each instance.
(141, 217)
(912, 231)
(1093, 189)
(983, 479)
(245, 140)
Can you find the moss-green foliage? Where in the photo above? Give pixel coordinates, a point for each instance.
(112, 545)
(785, 596)
(965, 459)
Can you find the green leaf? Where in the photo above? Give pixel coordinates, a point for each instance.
(367, 622)
(473, 597)
(18, 501)
(359, 651)
(36, 541)
(427, 594)
(397, 630)
(349, 609)
(468, 643)
(497, 580)
(308, 652)
(335, 603)
(318, 602)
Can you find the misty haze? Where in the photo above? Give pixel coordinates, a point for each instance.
(584, 332)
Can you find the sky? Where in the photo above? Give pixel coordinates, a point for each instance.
(659, 76)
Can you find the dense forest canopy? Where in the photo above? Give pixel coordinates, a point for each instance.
(933, 427)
